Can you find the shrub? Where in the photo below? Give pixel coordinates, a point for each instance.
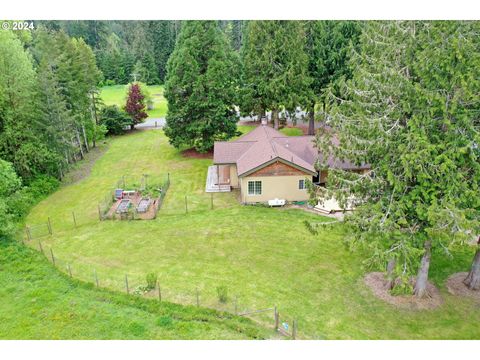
(20, 203)
(165, 321)
(100, 132)
(9, 180)
(42, 186)
(22, 200)
(152, 281)
(222, 293)
(7, 228)
(114, 119)
(140, 290)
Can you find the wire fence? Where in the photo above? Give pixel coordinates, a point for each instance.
(173, 204)
(136, 285)
(39, 236)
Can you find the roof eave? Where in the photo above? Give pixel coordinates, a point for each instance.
(269, 162)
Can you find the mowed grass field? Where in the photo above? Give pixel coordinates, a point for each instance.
(38, 302)
(264, 257)
(116, 95)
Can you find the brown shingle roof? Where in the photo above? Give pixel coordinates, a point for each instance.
(257, 148)
(229, 152)
(264, 144)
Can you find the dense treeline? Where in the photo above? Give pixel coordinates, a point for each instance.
(48, 101)
(134, 50)
(126, 50)
(269, 66)
(49, 85)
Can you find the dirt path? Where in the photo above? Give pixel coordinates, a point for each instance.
(82, 169)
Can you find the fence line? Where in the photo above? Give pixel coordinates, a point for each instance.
(74, 219)
(256, 311)
(33, 231)
(158, 293)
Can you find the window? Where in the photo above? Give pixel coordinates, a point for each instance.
(254, 188)
(301, 184)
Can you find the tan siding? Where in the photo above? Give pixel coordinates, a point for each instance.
(233, 176)
(281, 187)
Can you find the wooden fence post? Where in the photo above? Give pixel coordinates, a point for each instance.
(40, 246)
(69, 270)
(96, 277)
(198, 298)
(159, 292)
(294, 329)
(74, 219)
(49, 224)
(29, 234)
(53, 257)
(276, 317)
(168, 178)
(186, 205)
(126, 284)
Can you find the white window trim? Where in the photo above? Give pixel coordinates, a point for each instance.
(304, 185)
(254, 187)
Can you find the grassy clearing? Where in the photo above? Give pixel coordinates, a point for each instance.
(288, 131)
(38, 302)
(291, 131)
(263, 256)
(116, 95)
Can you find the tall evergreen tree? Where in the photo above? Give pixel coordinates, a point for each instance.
(274, 67)
(410, 111)
(201, 87)
(20, 143)
(163, 38)
(69, 65)
(328, 50)
(56, 120)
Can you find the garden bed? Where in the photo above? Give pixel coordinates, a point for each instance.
(132, 212)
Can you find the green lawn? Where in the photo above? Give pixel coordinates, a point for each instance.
(38, 302)
(291, 131)
(116, 95)
(264, 256)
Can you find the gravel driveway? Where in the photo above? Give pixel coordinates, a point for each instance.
(152, 123)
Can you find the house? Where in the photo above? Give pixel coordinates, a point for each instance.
(266, 165)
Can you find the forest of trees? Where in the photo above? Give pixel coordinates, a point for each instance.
(270, 66)
(134, 50)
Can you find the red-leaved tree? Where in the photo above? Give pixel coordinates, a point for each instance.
(135, 106)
